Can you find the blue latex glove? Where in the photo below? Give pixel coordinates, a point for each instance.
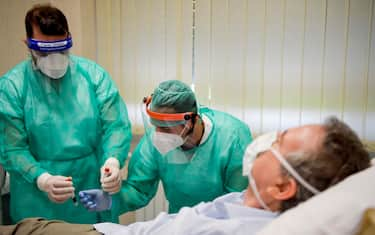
(95, 200)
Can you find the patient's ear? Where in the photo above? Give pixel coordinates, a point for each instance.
(283, 189)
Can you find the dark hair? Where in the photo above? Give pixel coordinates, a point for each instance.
(341, 154)
(50, 20)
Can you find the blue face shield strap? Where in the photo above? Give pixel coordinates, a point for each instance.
(50, 46)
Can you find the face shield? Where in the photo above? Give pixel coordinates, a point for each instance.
(51, 57)
(167, 131)
(259, 145)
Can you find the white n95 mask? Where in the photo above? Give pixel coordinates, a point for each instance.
(54, 65)
(165, 142)
(259, 145)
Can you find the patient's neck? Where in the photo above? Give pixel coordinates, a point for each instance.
(251, 201)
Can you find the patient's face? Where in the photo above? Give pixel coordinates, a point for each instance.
(267, 169)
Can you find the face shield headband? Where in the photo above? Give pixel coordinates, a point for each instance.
(50, 46)
(167, 117)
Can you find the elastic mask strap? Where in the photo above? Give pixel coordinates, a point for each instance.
(294, 173)
(183, 132)
(256, 194)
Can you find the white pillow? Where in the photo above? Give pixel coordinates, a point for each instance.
(336, 211)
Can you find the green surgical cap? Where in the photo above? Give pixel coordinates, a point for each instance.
(174, 94)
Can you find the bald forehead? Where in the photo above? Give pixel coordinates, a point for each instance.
(305, 138)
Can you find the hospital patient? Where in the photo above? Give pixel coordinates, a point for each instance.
(284, 169)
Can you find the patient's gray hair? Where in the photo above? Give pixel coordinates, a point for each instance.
(340, 154)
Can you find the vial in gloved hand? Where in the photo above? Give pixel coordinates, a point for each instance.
(74, 199)
(107, 172)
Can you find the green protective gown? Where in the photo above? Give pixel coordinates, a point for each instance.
(68, 127)
(209, 170)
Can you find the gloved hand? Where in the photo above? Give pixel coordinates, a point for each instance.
(59, 188)
(110, 176)
(95, 200)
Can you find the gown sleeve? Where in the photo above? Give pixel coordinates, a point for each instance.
(143, 179)
(15, 155)
(116, 127)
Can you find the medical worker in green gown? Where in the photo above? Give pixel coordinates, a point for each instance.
(62, 124)
(196, 153)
